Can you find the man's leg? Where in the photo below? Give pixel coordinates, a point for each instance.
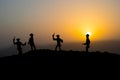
(56, 48)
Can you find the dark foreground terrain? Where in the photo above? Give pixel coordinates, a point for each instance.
(62, 57)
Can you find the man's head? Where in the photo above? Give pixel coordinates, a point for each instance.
(57, 36)
(87, 35)
(18, 39)
(31, 34)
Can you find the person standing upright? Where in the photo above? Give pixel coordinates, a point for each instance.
(31, 42)
(87, 43)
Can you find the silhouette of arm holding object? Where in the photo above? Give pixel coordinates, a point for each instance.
(58, 40)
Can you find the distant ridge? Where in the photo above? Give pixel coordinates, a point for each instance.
(70, 57)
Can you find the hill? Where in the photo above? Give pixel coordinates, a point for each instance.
(62, 57)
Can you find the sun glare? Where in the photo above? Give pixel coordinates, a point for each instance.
(88, 33)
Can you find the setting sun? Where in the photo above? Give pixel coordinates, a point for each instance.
(88, 33)
(71, 19)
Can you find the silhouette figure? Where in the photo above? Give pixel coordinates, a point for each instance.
(19, 44)
(31, 42)
(87, 43)
(59, 41)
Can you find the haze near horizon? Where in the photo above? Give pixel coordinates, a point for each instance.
(69, 18)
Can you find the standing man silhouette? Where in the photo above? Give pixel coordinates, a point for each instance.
(87, 43)
(59, 41)
(31, 42)
(19, 44)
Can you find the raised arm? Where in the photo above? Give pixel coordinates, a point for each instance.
(53, 36)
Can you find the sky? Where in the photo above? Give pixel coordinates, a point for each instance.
(69, 18)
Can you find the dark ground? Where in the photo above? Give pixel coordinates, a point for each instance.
(62, 57)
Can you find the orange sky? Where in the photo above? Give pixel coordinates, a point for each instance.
(69, 18)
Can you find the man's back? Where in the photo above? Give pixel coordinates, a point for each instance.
(59, 40)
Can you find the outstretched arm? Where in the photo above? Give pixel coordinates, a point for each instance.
(62, 40)
(84, 44)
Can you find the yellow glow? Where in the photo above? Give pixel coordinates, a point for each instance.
(73, 26)
(88, 33)
(94, 30)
